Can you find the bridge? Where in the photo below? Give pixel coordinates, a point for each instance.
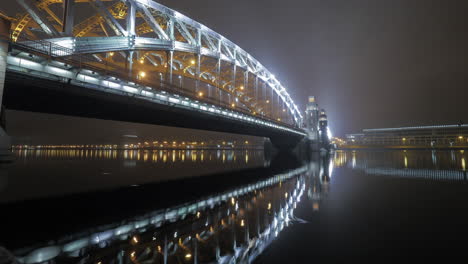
(140, 61)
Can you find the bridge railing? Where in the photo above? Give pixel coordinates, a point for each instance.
(44, 48)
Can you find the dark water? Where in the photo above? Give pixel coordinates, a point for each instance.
(232, 206)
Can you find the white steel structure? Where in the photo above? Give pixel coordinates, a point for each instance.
(153, 43)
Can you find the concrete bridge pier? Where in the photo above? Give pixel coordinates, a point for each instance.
(5, 140)
(285, 143)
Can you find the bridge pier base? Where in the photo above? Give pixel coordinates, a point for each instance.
(5, 140)
(285, 144)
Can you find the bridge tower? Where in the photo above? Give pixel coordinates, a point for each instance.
(312, 123)
(312, 118)
(324, 134)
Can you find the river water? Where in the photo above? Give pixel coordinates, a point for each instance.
(177, 206)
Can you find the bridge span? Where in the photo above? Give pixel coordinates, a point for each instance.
(139, 61)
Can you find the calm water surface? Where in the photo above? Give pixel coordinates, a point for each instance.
(178, 206)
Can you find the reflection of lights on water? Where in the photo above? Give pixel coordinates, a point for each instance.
(280, 220)
(315, 206)
(406, 162)
(463, 164)
(329, 133)
(353, 162)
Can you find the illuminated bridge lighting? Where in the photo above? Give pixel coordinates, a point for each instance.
(161, 46)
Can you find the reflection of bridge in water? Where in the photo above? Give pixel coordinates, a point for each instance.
(157, 64)
(231, 227)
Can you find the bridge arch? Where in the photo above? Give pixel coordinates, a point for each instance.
(155, 44)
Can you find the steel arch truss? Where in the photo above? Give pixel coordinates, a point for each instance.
(148, 40)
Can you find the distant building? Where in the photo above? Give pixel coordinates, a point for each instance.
(417, 136)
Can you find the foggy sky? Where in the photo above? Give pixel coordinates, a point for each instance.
(370, 63)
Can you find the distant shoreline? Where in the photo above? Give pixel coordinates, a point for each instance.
(403, 147)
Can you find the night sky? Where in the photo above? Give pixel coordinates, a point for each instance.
(370, 63)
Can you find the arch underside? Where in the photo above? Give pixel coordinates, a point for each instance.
(151, 42)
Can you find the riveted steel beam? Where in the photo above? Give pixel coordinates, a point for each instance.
(111, 21)
(68, 16)
(40, 19)
(148, 17)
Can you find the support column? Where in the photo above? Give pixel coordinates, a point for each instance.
(68, 17)
(197, 79)
(246, 80)
(5, 140)
(272, 99)
(256, 92)
(234, 73)
(130, 64)
(170, 60)
(218, 80)
(131, 17)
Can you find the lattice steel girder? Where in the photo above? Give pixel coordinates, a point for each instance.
(185, 33)
(152, 22)
(111, 21)
(131, 17)
(36, 14)
(201, 40)
(68, 16)
(206, 31)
